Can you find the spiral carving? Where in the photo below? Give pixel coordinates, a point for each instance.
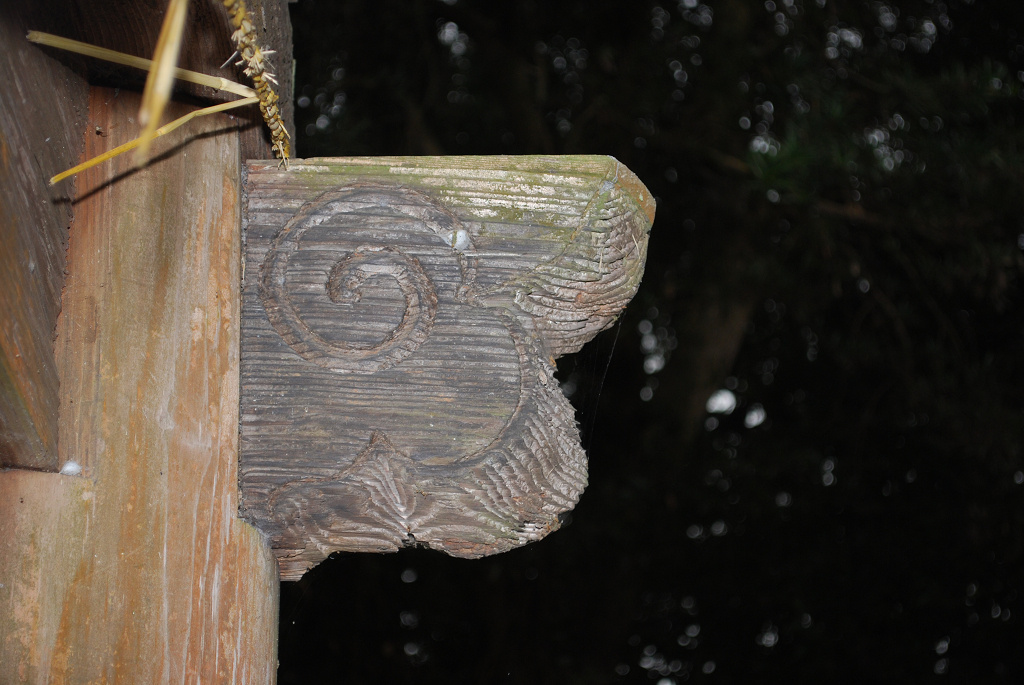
(474, 277)
(343, 284)
(350, 273)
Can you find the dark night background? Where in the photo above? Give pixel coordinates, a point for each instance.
(837, 254)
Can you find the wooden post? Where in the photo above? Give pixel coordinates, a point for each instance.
(138, 570)
(400, 321)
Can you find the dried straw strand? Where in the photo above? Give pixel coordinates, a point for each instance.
(163, 130)
(161, 76)
(88, 50)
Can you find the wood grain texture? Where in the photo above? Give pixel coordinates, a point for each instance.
(43, 107)
(141, 571)
(400, 321)
(35, 137)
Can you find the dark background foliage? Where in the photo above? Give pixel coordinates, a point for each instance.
(837, 254)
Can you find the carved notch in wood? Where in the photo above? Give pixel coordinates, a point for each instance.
(400, 321)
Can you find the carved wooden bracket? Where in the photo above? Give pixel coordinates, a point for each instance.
(400, 321)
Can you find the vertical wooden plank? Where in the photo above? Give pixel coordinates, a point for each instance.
(140, 571)
(42, 110)
(35, 138)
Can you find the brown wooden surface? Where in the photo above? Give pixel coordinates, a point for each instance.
(400, 320)
(42, 112)
(36, 136)
(140, 571)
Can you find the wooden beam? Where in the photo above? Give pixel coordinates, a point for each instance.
(140, 571)
(400, 321)
(42, 112)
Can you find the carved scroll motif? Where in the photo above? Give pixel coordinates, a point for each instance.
(345, 279)
(391, 397)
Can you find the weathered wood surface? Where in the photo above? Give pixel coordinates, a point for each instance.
(42, 111)
(34, 220)
(400, 321)
(140, 571)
